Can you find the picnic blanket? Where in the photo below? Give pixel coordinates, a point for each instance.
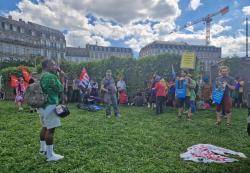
(208, 153)
(91, 108)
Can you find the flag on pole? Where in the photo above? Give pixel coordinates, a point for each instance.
(26, 74)
(173, 72)
(13, 81)
(84, 79)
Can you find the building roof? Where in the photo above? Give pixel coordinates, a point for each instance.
(169, 42)
(32, 26)
(111, 47)
(77, 52)
(174, 44)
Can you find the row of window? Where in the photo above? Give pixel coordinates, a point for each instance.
(175, 51)
(109, 49)
(36, 42)
(77, 59)
(11, 27)
(181, 47)
(22, 50)
(97, 55)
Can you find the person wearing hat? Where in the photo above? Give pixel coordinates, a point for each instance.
(110, 97)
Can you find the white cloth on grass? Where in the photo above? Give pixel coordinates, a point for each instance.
(208, 153)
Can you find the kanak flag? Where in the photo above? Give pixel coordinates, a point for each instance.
(13, 81)
(84, 79)
(26, 74)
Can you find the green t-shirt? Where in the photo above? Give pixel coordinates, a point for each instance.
(51, 86)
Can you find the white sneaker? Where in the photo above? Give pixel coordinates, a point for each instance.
(55, 157)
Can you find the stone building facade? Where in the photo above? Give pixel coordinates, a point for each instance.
(206, 55)
(75, 54)
(95, 53)
(101, 52)
(25, 40)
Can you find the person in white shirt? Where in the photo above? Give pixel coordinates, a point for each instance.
(121, 85)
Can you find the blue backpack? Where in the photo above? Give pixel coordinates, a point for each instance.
(217, 95)
(180, 89)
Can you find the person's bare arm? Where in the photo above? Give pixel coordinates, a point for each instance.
(103, 89)
(231, 87)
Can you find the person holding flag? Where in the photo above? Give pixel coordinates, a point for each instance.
(20, 90)
(84, 85)
(227, 83)
(110, 97)
(26, 75)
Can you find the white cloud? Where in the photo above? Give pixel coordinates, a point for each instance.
(246, 10)
(231, 45)
(80, 38)
(124, 11)
(217, 29)
(194, 4)
(71, 15)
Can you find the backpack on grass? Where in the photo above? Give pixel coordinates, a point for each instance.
(34, 95)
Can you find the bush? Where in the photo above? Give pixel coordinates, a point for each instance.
(135, 72)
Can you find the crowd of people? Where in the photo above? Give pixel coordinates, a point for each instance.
(182, 92)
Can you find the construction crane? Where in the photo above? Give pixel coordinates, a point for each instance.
(207, 20)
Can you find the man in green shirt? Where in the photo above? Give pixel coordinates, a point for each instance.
(51, 86)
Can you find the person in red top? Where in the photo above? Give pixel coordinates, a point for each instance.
(161, 93)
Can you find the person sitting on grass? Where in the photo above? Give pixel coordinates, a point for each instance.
(138, 100)
(228, 84)
(52, 86)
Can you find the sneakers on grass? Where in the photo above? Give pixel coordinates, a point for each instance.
(55, 157)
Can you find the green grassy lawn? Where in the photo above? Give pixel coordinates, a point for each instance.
(138, 142)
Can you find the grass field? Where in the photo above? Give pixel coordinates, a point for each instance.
(138, 142)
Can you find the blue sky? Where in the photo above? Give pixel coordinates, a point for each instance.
(137, 23)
